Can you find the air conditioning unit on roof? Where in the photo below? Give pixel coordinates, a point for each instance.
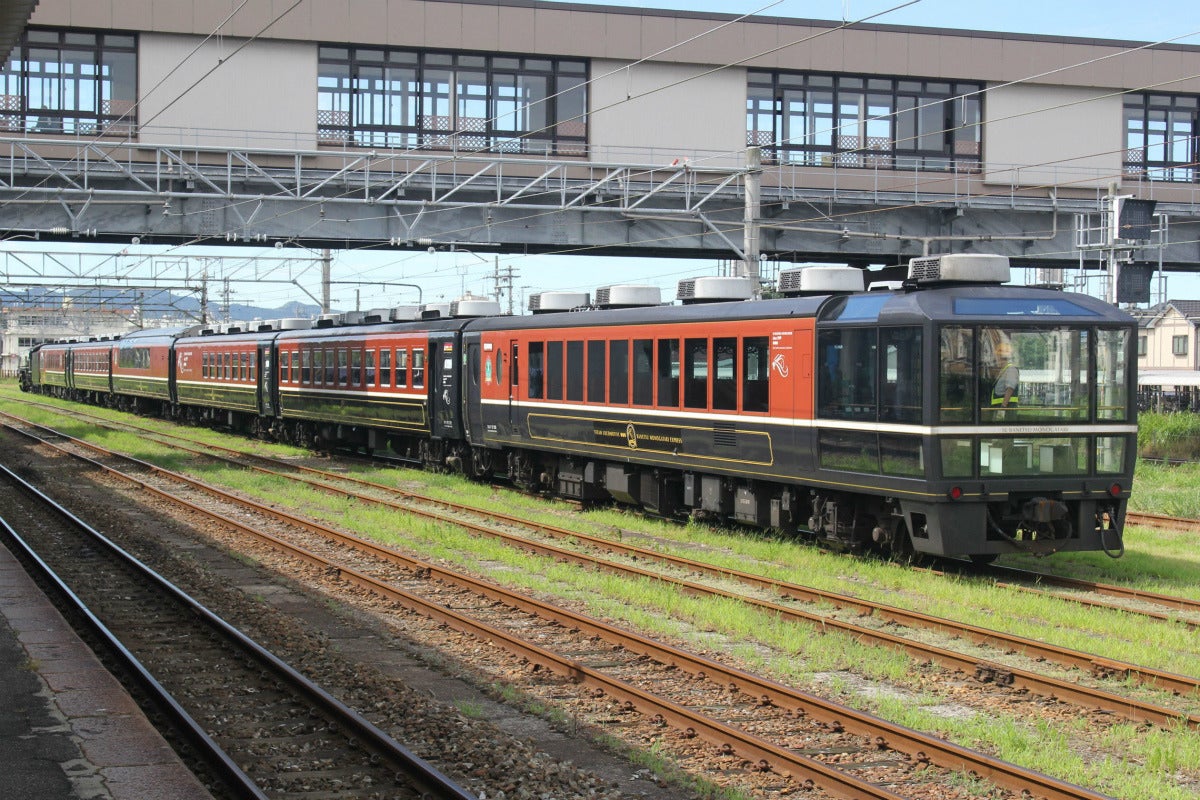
(628, 296)
(715, 289)
(547, 302)
(959, 268)
(820, 280)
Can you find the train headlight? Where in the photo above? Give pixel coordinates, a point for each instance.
(955, 492)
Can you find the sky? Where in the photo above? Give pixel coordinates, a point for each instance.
(444, 276)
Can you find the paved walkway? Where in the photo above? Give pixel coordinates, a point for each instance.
(68, 730)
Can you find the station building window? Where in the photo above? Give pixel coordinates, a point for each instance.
(70, 82)
(1161, 136)
(817, 119)
(414, 99)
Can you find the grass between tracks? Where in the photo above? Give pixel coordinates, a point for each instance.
(1126, 761)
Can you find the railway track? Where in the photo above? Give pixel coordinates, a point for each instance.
(877, 745)
(516, 532)
(262, 726)
(1083, 592)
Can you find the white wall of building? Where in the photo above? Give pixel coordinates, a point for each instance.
(1036, 134)
(656, 113)
(262, 96)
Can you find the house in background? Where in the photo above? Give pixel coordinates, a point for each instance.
(1168, 355)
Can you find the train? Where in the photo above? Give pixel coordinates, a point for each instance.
(946, 414)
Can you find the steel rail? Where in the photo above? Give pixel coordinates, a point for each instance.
(919, 745)
(430, 780)
(983, 670)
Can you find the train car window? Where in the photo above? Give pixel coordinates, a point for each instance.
(372, 378)
(1033, 374)
(356, 365)
(554, 370)
(343, 370)
(1112, 374)
(852, 451)
(956, 379)
(643, 372)
(254, 365)
(514, 369)
(575, 371)
(902, 455)
(285, 373)
(305, 367)
(900, 374)
(499, 366)
(756, 383)
(695, 373)
(668, 373)
(618, 372)
(595, 371)
(243, 366)
(385, 366)
(204, 364)
(318, 367)
(537, 359)
(846, 380)
(401, 367)
(330, 368)
(418, 367)
(724, 380)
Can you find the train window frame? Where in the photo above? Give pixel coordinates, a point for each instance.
(756, 391)
(618, 372)
(554, 370)
(597, 363)
(318, 366)
(669, 373)
(356, 367)
(642, 357)
(695, 373)
(330, 366)
(401, 368)
(901, 399)
(536, 369)
(418, 368)
(844, 390)
(285, 368)
(724, 376)
(575, 371)
(342, 377)
(306, 370)
(204, 365)
(383, 378)
(1114, 398)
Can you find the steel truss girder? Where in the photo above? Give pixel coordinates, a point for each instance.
(67, 188)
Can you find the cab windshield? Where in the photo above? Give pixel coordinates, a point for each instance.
(1006, 375)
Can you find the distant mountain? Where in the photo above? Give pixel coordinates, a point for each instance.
(153, 303)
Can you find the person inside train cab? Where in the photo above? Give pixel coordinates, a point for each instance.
(1002, 373)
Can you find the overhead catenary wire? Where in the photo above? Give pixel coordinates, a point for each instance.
(1032, 77)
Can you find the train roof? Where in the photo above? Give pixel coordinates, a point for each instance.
(796, 307)
(956, 303)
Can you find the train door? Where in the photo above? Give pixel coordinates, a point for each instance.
(267, 397)
(444, 387)
(472, 382)
(514, 380)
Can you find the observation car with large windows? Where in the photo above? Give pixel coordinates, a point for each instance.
(1013, 405)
